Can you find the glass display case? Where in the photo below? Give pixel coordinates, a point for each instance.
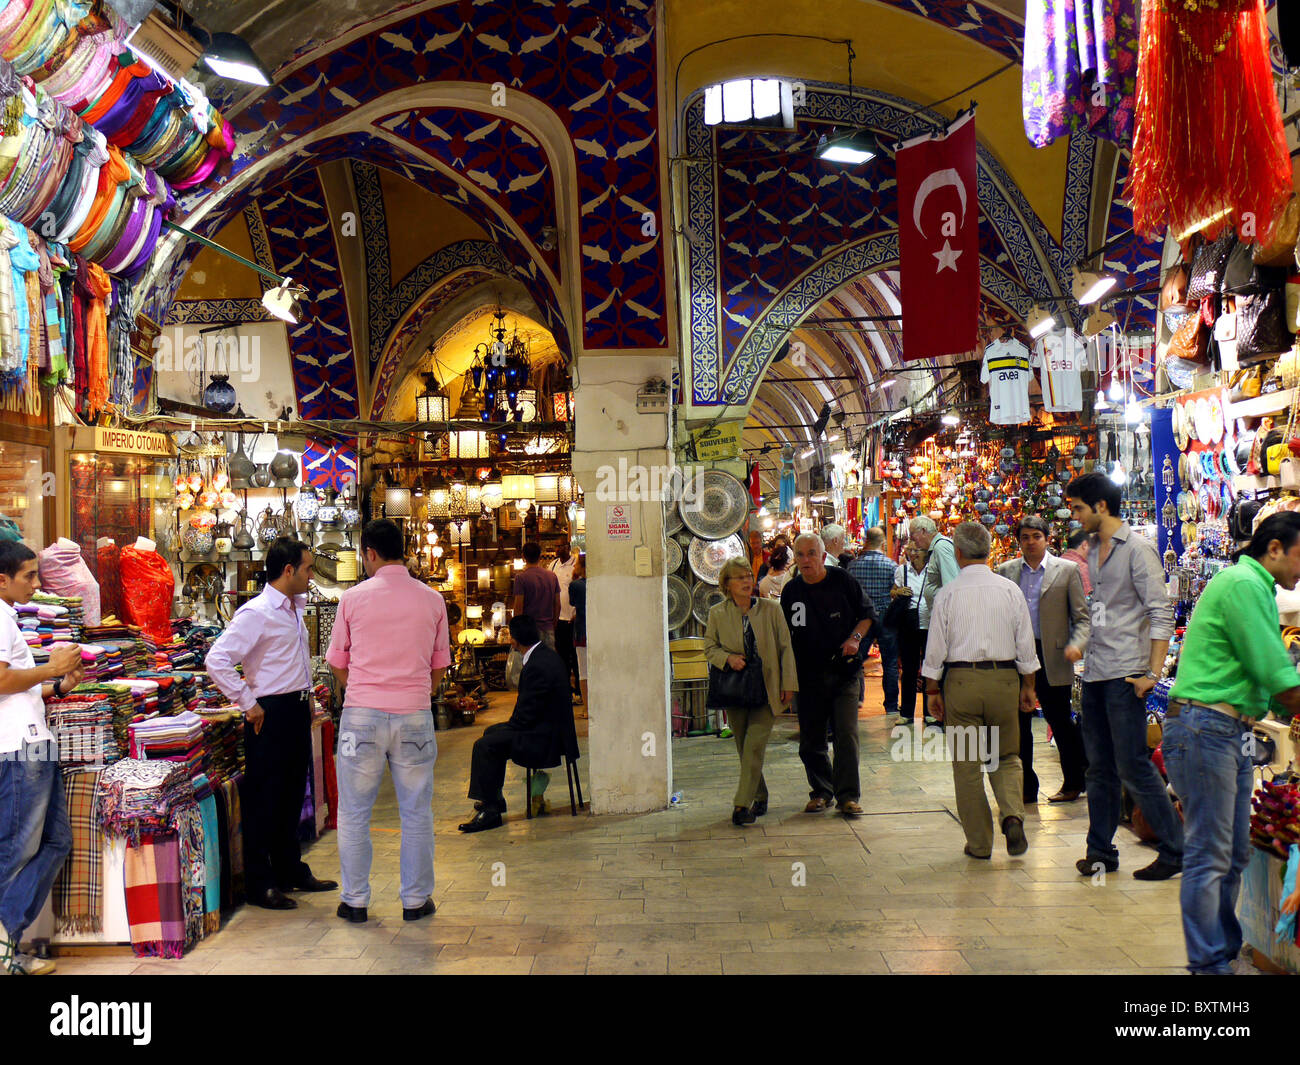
(23, 491)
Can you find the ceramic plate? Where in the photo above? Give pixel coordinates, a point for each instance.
(720, 506)
(1204, 433)
(703, 600)
(672, 555)
(1180, 427)
(672, 519)
(1216, 419)
(707, 557)
(679, 602)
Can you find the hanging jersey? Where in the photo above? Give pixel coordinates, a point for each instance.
(1006, 371)
(1059, 357)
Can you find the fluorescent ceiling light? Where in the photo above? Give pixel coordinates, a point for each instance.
(1098, 322)
(854, 147)
(230, 56)
(1040, 322)
(1089, 286)
(950, 419)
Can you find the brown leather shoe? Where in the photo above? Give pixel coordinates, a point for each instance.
(816, 806)
(971, 854)
(849, 808)
(1064, 796)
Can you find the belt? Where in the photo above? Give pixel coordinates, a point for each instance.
(1176, 708)
(981, 665)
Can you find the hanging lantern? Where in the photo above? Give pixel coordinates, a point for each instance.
(547, 487)
(566, 487)
(432, 405)
(518, 486)
(397, 503)
(219, 396)
(439, 500)
(492, 497)
(468, 444)
(526, 405)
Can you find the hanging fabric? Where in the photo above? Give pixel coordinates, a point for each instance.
(1209, 149)
(1080, 69)
(787, 480)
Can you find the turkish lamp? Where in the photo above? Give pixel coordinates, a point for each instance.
(1089, 286)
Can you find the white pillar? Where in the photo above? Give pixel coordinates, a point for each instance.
(630, 739)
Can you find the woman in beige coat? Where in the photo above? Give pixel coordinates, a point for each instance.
(724, 646)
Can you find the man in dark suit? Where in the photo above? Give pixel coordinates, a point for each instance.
(537, 734)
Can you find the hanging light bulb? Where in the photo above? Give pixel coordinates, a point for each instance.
(1134, 413)
(1102, 402)
(1118, 475)
(1116, 389)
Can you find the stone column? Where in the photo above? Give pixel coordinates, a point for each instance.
(617, 453)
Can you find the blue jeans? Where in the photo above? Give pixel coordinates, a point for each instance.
(35, 838)
(367, 740)
(1114, 725)
(1206, 756)
(887, 641)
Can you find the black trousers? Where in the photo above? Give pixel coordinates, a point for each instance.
(1055, 702)
(487, 765)
(835, 706)
(911, 651)
(565, 649)
(278, 760)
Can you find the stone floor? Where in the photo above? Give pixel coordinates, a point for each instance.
(683, 891)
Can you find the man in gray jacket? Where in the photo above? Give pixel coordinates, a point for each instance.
(1058, 609)
(941, 568)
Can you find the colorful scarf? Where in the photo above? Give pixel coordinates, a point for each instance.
(78, 894)
(154, 908)
(212, 864)
(189, 827)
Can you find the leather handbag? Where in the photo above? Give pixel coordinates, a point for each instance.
(1173, 290)
(1280, 248)
(1261, 326)
(740, 688)
(1208, 266)
(1189, 342)
(1243, 276)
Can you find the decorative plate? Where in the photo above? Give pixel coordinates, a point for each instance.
(672, 519)
(1217, 428)
(673, 555)
(1203, 430)
(707, 557)
(704, 598)
(720, 507)
(679, 602)
(1229, 460)
(1180, 427)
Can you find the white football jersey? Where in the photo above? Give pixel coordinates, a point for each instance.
(1007, 373)
(1060, 358)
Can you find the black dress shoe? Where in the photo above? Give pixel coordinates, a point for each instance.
(355, 914)
(1014, 829)
(741, 816)
(1088, 866)
(759, 808)
(482, 821)
(1158, 870)
(311, 883)
(273, 899)
(422, 910)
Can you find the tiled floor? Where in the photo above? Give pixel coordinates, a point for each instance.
(682, 891)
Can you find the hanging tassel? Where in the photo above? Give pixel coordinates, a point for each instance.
(1209, 143)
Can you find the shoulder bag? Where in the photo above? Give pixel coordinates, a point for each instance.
(739, 688)
(1208, 266)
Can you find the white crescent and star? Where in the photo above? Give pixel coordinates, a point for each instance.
(947, 256)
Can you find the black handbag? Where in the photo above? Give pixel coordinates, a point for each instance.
(1208, 266)
(742, 689)
(896, 613)
(1243, 277)
(1261, 326)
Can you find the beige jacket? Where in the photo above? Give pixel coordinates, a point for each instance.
(724, 636)
(1062, 614)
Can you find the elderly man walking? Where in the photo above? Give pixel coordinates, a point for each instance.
(828, 616)
(832, 544)
(940, 569)
(980, 665)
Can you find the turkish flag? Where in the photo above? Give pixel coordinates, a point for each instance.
(938, 243)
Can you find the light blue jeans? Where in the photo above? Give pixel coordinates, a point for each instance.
(1207, 756)
(367, 740)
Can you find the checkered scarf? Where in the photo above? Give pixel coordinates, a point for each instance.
(79, 889)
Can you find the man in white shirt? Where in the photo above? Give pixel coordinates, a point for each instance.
(268, 637)
(35, 837)
(979, 667)
(833, 541)
(562, 567)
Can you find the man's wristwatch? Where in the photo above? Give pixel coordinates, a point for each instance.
(58, 687)
(1153, 676)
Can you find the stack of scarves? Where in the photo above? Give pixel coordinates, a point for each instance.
(43, 624)
(223, 737)
(119, 698)
(78, 894)
(137, 796)
(76, 615)
(82, 725)
(177, 739)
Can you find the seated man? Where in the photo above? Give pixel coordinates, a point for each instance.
(537, 731)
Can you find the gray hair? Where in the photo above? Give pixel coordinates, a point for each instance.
(922, 523)
(972, 540)
(832, 532)
(804, 538)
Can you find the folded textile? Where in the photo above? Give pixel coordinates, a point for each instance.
(78, 894)
(154, 906)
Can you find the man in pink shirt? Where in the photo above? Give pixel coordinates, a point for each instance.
(389, 649)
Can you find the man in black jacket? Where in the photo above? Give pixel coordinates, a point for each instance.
(536, 734)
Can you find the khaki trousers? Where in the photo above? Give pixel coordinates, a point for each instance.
(752, 729)
(982, 713)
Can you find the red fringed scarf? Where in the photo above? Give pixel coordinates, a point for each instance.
(1209, 136)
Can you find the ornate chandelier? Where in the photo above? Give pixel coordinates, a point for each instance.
(501, 369)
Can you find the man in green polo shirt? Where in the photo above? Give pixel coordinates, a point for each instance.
(1232, 671)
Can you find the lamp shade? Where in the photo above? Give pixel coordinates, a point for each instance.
(474, 612)
(547, 487)
(518, 486)
(432, 406)
(492, 496)
(566, 487)
(484, 577)
(397, 502)
(468, 444)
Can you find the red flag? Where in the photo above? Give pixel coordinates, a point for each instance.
(938, 243)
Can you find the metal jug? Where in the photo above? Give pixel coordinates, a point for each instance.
(243, 539)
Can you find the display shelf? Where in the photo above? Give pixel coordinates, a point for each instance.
(1261, 406)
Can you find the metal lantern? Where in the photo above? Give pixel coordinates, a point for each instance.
(566, 487)
(526, 405)
(439, 500)
(397, 502)
(547, 486)
(432, 405)
(468, 444)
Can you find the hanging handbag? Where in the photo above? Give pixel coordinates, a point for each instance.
(1261, 326)
(1189, 342)
(1173, 290)
(1208, 266)
(1242, 276)
(739, 688)
(1280, 248)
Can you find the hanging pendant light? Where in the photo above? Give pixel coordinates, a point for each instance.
(432, 405)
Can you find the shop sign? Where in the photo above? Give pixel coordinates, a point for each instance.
(133, 441)
(619, 523)
(717, 442)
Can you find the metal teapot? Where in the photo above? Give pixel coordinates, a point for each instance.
(243, 539)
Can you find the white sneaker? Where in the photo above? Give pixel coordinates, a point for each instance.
(31, 965)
